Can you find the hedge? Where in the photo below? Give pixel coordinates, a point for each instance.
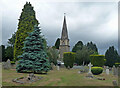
(97, 60)
(12, 62)
(117, 64)
(96, 70)
(69, 59)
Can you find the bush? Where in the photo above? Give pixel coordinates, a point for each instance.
(12, 62)
(69, 59)
(97, 60)
(96, 70)
(117, 64)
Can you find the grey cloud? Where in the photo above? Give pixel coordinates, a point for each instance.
(85, 21)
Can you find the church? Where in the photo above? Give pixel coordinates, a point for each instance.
(64, 40)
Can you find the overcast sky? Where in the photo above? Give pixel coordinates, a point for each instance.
(86, 21)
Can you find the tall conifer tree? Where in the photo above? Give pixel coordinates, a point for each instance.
(78, 46)
(34, 57)
(26, 23)
(111, 56)
(57, 43)
(92, 46)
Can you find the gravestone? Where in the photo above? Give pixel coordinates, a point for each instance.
(107, 70)
(89, 75)
(7, 65)
(114, 83)
(83, 63)
(29, 79)
(58, 68)
(58, 65)
(119, 76)
(16, 63)
(83, 69)
(104, 68)
(115, 71)
(30, 76)
(90, 65)
(79, 72)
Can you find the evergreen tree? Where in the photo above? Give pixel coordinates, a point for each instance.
(11, 41)
(57, 43)
(111, 56)
(2, 48)
(34, 58)
(92, 46)
(9, 53)
(10, 49)
(45, 44)
(26, 23)
(0, 54)
(78, 46)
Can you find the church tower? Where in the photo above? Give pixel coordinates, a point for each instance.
(64, 41)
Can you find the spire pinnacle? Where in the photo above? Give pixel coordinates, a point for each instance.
(64, 14)
(64, 29)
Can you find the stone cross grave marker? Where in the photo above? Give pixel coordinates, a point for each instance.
(107, 70)
(90, 65)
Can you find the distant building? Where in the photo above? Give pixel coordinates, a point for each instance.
(64, 41)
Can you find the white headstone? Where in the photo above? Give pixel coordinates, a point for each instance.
(78, 71)
(90, 65)
(83, 63)
(58, 68)
(114, 70)
(107, 70)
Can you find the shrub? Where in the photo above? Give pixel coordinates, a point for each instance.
(117, 64)
(12, 62)
(97, 60)
(69, 59)
(96, 70)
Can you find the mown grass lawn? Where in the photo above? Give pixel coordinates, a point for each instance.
(63, 77)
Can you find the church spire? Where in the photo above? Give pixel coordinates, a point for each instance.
(64, 29)
(64, 41)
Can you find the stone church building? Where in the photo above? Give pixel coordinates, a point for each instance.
(64, 40)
